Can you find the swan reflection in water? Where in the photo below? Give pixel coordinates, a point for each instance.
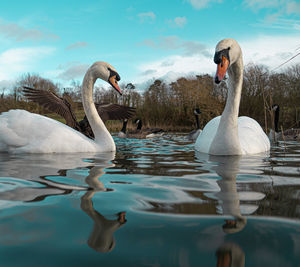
(229, 253)
(227, 168)
(101, 238)
(33, 183)
(27, 179)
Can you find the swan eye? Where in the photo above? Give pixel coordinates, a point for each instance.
(114, 73)
(218, 58)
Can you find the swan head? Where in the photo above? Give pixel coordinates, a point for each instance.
(227, 53)
(108, 73)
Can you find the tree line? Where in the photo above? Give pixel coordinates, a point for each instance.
(171, 106)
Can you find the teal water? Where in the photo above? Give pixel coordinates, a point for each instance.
(152, 203)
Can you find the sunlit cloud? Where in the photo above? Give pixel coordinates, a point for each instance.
(199, 4)
(171, 68)
(178, 22)
(19, 60)
(283, 24)
(293, 8)
(19, 33)
(278, 7)
(188, 48)
(258, 4)
(270, 51)
(76, 45)
(72, 72)
(6, 86)
(147, 17)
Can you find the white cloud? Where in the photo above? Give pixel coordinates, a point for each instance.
(172, 67)
(274, 22)
(19, 33)
(258, 4)
(148, 16)
(73, 71)
(178, 22)
(293, 8)
(173, 42)
(14, 62)
(76, 45)
(6, 85)
(270, 51)
(280, 7)
(199, 4)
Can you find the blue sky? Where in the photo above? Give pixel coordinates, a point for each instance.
(142, 39)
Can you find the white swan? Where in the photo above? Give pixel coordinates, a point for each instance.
(25, 132)
(228, 134)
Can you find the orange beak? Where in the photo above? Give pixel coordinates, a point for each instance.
(221, 69)
(113, 82)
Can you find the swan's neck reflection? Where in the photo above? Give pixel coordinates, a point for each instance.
(230, 255)
(93, 179)
(228, 168)
(101, 238)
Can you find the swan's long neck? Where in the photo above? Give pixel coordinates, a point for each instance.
(228, 194)
(226, 141)
(102, 135)
(235, 83)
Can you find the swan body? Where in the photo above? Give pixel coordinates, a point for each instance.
(25, 132)
(49, 135)
(228, 134)
(248, 130)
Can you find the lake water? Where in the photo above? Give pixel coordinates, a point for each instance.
(152, 203)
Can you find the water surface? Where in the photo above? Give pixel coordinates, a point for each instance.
(152, 203)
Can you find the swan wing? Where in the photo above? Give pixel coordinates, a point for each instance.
(206, 137)
(25, 132)
(53, 103)
(252, 138)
